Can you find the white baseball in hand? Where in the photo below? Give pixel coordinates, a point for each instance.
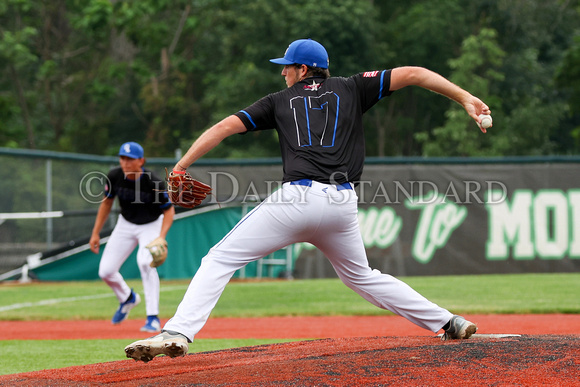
(486, 121)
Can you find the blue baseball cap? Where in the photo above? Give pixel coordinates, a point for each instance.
(132, 150)
(304, 51)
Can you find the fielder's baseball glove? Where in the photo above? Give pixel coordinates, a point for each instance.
(185, 191)
(158, 250)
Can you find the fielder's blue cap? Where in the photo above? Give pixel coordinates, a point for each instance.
(131, 149)
(304, 51)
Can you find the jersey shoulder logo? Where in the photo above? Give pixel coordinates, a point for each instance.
(370, 74)
(314, 87)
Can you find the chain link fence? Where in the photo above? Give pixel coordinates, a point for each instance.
(50, 199)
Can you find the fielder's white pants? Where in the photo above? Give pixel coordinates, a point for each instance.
(123, 240)
(320, 215)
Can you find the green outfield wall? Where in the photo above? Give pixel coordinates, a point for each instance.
(418, 216)
(191, 237)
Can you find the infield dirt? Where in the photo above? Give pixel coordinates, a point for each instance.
(350, 351)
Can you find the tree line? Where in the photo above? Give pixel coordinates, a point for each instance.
(85, 76)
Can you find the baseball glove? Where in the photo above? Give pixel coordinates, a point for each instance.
(158, 250)
(185, 191)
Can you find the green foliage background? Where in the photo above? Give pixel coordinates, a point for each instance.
(84, 76)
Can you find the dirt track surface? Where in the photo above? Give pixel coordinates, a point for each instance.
(406, 356)
(290, 327)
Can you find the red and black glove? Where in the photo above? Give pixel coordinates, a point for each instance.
(184, 190)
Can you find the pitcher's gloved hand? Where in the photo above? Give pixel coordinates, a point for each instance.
(185, 191)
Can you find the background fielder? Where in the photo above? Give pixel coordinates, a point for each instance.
(319, 123)
(146, 213)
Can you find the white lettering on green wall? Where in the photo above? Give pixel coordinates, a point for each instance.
(380, 227)
(437, 222)
(545, 224)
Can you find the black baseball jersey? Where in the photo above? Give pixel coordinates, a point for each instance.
(319, 123)
(141, 200)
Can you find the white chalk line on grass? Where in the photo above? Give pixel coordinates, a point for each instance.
(54, 301)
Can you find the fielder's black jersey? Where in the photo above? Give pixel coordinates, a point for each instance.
(319, 123)
(141, 200)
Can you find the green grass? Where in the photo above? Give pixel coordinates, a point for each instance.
(487, 294)
(18, 356)
(517, 293)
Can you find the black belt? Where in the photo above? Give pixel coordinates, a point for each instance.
(308, 183)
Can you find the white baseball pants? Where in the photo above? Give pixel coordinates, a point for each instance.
(321, 215)
(123, 240)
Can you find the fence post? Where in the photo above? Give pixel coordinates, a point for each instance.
(49, 224)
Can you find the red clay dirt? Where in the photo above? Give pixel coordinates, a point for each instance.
(352, 351)
(289, 327)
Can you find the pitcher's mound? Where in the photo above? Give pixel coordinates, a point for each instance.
(481, 360)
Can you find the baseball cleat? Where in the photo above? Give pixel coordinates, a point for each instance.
(167, 343)
(151, 325)
(125, 307)
(459, 328)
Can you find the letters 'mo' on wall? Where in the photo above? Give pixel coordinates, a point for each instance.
(531, 224)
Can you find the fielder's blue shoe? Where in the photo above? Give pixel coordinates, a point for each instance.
(152, 324)
(125, 307)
